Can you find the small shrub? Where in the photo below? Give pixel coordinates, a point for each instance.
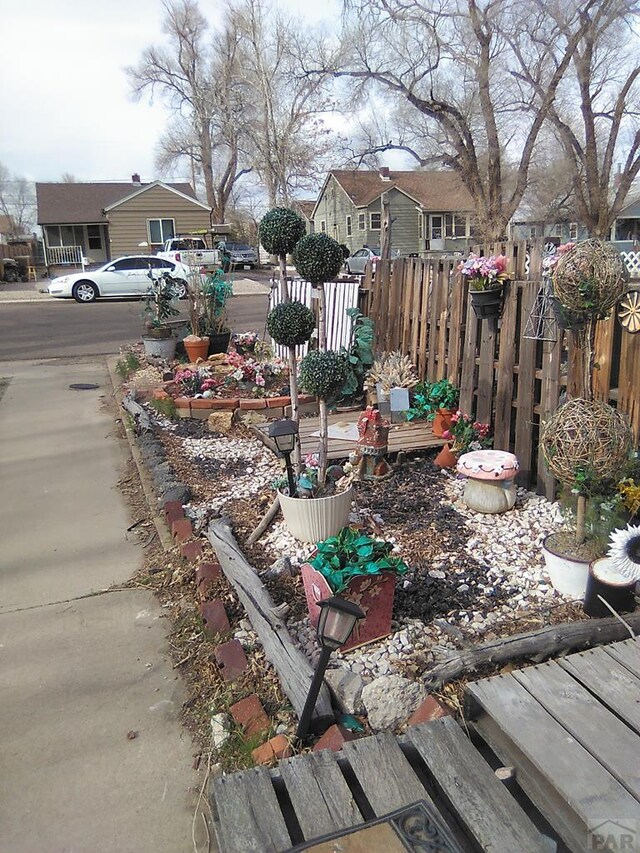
(127, 365)
(165, 407)
(291, 324)
(280, 230)
(323, 373)
(318, 258)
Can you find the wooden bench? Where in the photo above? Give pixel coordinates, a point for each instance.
(262, 811)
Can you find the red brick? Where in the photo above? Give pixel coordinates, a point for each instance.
(191, 551)
(160, 394)
(334, 738)
(221, 403)
(181, 530)
(206, 575)
(274, 402)
(215, 618)
(202, 403)
(249, 404)
(183, 402)
(305, 398)
(172, 506)
(273, 750)
(173, 515)
(250, 714)
(430, 709)
(231, 659)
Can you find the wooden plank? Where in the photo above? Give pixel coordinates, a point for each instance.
(456, 328)
(526, 387)
(467, 380)
(443, 316)
(434, 314)
(424, 321)
(609, 680)
(603, 357)
(293, 668)
(615, 746)
(565, 782)
(626, 653)
(483, 805)
(419, 275)
(319, 794)
(504, 373)
(384, 773)
(484, 407)
(249, 818)
(407, 306)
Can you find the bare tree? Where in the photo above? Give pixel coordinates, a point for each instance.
(450, 60)
(17, 202)
(595, 115)
(197, 74)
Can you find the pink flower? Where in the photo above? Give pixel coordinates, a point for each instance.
(260, 380)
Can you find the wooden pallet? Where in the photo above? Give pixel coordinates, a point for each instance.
(572, 729)
(409, 437)
(324, 792)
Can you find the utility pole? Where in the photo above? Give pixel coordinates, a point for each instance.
(385, 239)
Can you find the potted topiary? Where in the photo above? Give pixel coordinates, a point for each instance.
(435, 401)
(360, 569)
(158, 339)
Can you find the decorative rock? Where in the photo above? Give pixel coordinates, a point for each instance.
(215, 618)
(250, 714)
(220, 421)
(273, 750)
(219, 730)
(334, 738)
(346, 687)
(231, 659)
(428, 710)
(174, 492)
(280, 568)
(390, 699)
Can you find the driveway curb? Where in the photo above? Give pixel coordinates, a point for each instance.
(164, 534)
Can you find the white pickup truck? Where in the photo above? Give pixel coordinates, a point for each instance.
(192, 251)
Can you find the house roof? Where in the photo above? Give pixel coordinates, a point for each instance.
(631, 210)
(432, 190)
(304, 206)
(77, 203)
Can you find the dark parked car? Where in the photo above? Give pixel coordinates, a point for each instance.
(237, 255)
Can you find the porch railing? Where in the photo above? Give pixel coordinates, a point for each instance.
(59, 255)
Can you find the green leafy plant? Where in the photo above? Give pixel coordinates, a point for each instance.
(318, 258)
(127, 365)
(166, 407)
(280, 229)
(358, 357)
(350, 554)
(216, 291)
(323, 373)
(158, 302)
(291, 323)
(428, 397)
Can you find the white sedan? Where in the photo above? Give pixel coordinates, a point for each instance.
(129, 276)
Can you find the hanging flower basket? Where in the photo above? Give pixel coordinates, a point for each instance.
(486, 303)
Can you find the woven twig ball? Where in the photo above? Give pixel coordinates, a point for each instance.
(590, 278)
(585, 434)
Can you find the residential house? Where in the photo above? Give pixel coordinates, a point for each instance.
(563, 231)
(626, 228)
(7, 228)
(430, 211)
(100, 221)
(305, 207)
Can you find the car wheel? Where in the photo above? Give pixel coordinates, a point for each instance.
(85, 291)
(180, 288)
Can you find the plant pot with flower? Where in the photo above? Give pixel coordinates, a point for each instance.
(463, 435)
(158, 338)
(486, 278)
(435, 401)
(360, 569)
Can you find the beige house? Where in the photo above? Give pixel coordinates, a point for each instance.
(431, 211)
(101, 221)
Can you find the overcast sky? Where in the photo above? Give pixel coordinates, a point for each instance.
(64, 97)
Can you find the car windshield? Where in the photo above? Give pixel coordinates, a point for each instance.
(238, 247)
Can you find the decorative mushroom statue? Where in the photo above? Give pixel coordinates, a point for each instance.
(490, 485)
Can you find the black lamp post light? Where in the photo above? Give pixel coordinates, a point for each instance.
(337, 620)
(284, 433)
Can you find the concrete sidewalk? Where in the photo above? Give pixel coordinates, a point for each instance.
(78, 673)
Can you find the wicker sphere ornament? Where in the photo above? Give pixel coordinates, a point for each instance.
(585, 434)
(590, 278)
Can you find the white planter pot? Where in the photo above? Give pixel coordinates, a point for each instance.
(160, 347)
(315, 519)
(567, 575)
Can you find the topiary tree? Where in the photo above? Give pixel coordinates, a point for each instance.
(319, 258)
(322, 373)
(291, 324)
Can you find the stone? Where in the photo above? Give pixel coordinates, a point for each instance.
(181, 530)
(250, 715)
(231, 659)
(215, 618)
(390, 700)
(428, 710)
(174, 492)
(191, 551)
(280, 568)
(273, 750)
(219, 730)
(346, 687)
(220, 421)
(334, 738)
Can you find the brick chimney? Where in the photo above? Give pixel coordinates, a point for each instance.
(135, 179)
(384, 173)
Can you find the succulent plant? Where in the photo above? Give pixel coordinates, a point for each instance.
(280, 229)
(318, 258)
(291, 323)
(322, 373)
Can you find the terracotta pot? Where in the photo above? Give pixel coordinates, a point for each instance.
(445, 459)
(196, 349)
(374, 594)
(442, 422)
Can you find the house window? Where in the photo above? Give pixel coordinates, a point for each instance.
(362, 222)
(94, 237)
(349, 226)
(375, 221)
(53, 235)
(160, 230)
(533, 231)
(455, 226)
(420, 226)
(573, 230)
(323, 226)
(557, 229)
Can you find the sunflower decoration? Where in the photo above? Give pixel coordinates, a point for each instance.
(629, 312)
(624, 551)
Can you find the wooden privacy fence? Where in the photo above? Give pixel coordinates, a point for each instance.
(421, 307)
